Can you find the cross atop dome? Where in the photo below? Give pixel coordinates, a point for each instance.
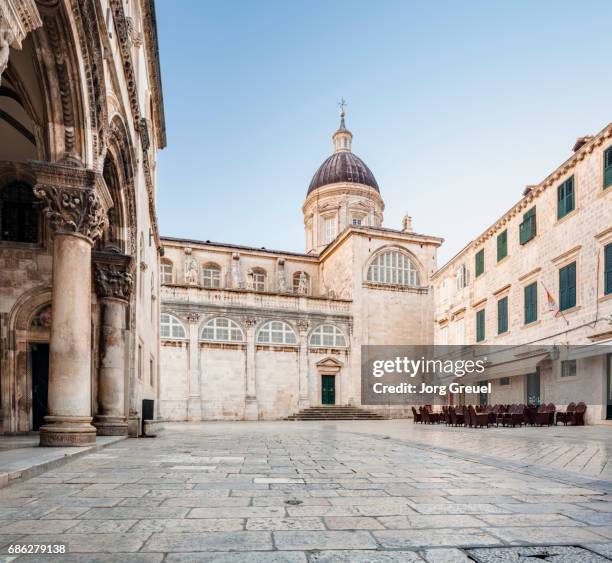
(342, 138)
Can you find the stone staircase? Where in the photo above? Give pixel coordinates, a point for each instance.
(335, 412)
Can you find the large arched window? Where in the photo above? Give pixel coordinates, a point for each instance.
(221, 329)
(166, 272)
(276, 332)
(211, 276)
(301, 283)
(170, 327)
(328, 335)
(393, 267)
(19, 217)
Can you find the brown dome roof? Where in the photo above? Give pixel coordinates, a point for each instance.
(343, 166)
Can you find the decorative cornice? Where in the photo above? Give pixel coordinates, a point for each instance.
(113, 275)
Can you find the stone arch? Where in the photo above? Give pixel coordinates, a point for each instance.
(16, 380)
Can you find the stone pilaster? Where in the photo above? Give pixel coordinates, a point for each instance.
(251, 409)
(76, 202)
(304, 401)
(114, 281)
(194, 401)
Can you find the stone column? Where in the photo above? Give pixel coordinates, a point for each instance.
(114, 283)
(194, 400)
(76, 203)
(251, 410)
(304, 400)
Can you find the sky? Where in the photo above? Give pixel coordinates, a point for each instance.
(454, 106)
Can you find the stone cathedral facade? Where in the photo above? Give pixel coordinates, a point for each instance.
(81, 120)
(250, 333)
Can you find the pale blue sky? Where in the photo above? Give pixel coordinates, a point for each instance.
(454, 105)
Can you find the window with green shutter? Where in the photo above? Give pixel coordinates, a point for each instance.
(479, 262)
(502, 315)
(531, 303)
(502, 245)
(567, 287)
(608, 168)
(608, 269)
(527, 229)
(565, 198)
(480, 325)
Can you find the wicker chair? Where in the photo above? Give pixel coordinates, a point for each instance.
(478, 418)
(578, 415)
(566, 416)
(517, 415)
(416, 417)
(545, 415)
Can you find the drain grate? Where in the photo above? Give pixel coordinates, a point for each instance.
(294, 502)
(550, 553)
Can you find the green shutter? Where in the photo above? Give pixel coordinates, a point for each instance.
(480, 325)
(565, 198)
(502, 315)
(567, 287)
(608, 168)
(527, 229)
(502, 245)
(479, 262)
(608, 269)
(531, 303)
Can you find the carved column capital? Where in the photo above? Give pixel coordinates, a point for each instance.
(193, 317)
(75, 199)
(249, 322)
(303, 325)
(113, 275)
(73, 210)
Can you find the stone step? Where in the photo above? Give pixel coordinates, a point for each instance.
(335, 412)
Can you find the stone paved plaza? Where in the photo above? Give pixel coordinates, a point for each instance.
(322, 492)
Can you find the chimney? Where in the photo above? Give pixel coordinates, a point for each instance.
(581, 141)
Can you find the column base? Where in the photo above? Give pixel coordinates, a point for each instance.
(194, 408)
(303, 403)
(111, 425)
(133, 423)
(251, 410)
(67, 431)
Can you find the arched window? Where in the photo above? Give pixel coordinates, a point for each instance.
(393, 267)
(327, 335)
(276, 332)
(18, 215)
(211, 276)
(221, 329)
(166, 272)
(259, 279)
(301, 283)
(170, 327)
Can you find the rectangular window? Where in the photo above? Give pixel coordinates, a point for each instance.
(568, 368)
(502, 315)
(151, 373)
(460, 332)
(330, 229)
(567, 287)
(527, 229)
(479, 266)
(531, 303)
(502, 245)
(480, 325)
(259, 281)
(356, 221)
(443, 335)
(608, 168)
(565, 198)
(608, 269)
(165, 273)
(503, 381)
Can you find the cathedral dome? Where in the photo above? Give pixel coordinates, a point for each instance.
(343, 165)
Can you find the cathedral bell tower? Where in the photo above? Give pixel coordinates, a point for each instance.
(343, 193)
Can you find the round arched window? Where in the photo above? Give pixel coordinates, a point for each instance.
(328, 335)
(170, 327)
(393, 267)
(276, 332)
(221, 329)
